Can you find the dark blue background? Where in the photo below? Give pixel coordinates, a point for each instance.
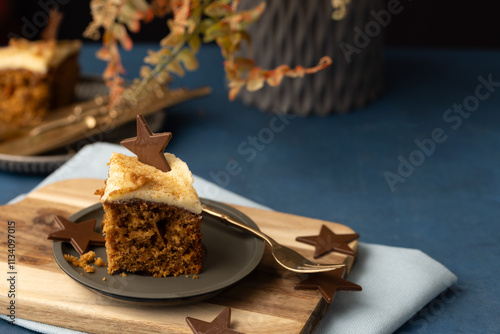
(333, 168)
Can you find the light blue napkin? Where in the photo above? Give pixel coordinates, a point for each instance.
(397, 282)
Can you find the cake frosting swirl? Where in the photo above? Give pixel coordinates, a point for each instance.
(130, 179)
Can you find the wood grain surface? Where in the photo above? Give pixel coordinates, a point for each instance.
(263, 302)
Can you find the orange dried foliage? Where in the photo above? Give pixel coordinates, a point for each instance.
(193, 21)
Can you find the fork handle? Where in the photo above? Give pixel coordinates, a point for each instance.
(228, 219)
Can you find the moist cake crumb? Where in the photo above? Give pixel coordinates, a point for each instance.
(152, 220)
(152, 238)
(99, 262)
(84, 261)
(89, 269)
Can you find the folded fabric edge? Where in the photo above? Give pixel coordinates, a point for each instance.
(448, 279)
(391, 294)
(40, 327)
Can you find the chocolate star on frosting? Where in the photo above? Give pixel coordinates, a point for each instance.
(328, 241)
(80, 235)
(328, 283)
(149, 147)
(219, 325)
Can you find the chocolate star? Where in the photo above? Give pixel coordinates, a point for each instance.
(79, 234)
(328, 241)
(219, 325)
(149, 147)
(328, 283)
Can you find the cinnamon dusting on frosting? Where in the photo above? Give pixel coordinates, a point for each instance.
(130, 179)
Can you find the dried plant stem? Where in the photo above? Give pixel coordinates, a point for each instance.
(157, 74)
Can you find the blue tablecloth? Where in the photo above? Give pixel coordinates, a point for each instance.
(418, 169)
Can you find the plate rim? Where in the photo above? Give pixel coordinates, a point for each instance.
(139, 297)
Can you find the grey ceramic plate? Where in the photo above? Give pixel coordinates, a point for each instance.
(230, 255)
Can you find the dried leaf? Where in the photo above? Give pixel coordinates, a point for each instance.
(255, 80)
(175, 67)
(120, 33)
(217, 30)
(144, 71)
(195, 43)
(225, 43)
(276, 76)
(339, 9)
(215, 20)
(131, 17)
(242, 20)
(172, 39)
(161, 7)
(323, 63)
(233, 92)
(187, 58)
(205, 24)
(218, 9)
(243, 64)
(103, 54)
(154, 57)
(141, 6)
(181, 11)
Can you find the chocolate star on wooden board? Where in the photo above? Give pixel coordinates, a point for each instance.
(80, 235)
(328, 241)
(220, 325)
(328, 283)
(149, 147)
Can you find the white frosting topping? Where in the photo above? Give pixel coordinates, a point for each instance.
(130, 179)
(38, 56)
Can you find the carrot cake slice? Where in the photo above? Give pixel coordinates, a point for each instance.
(36, 76)
(152, 218)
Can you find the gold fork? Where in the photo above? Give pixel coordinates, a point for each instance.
(286, 257)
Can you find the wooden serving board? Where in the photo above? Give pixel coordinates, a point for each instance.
(263, 302)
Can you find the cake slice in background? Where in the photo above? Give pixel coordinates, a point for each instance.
(36, 76)
(152, 218)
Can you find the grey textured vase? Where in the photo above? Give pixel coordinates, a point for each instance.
(300, 32)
